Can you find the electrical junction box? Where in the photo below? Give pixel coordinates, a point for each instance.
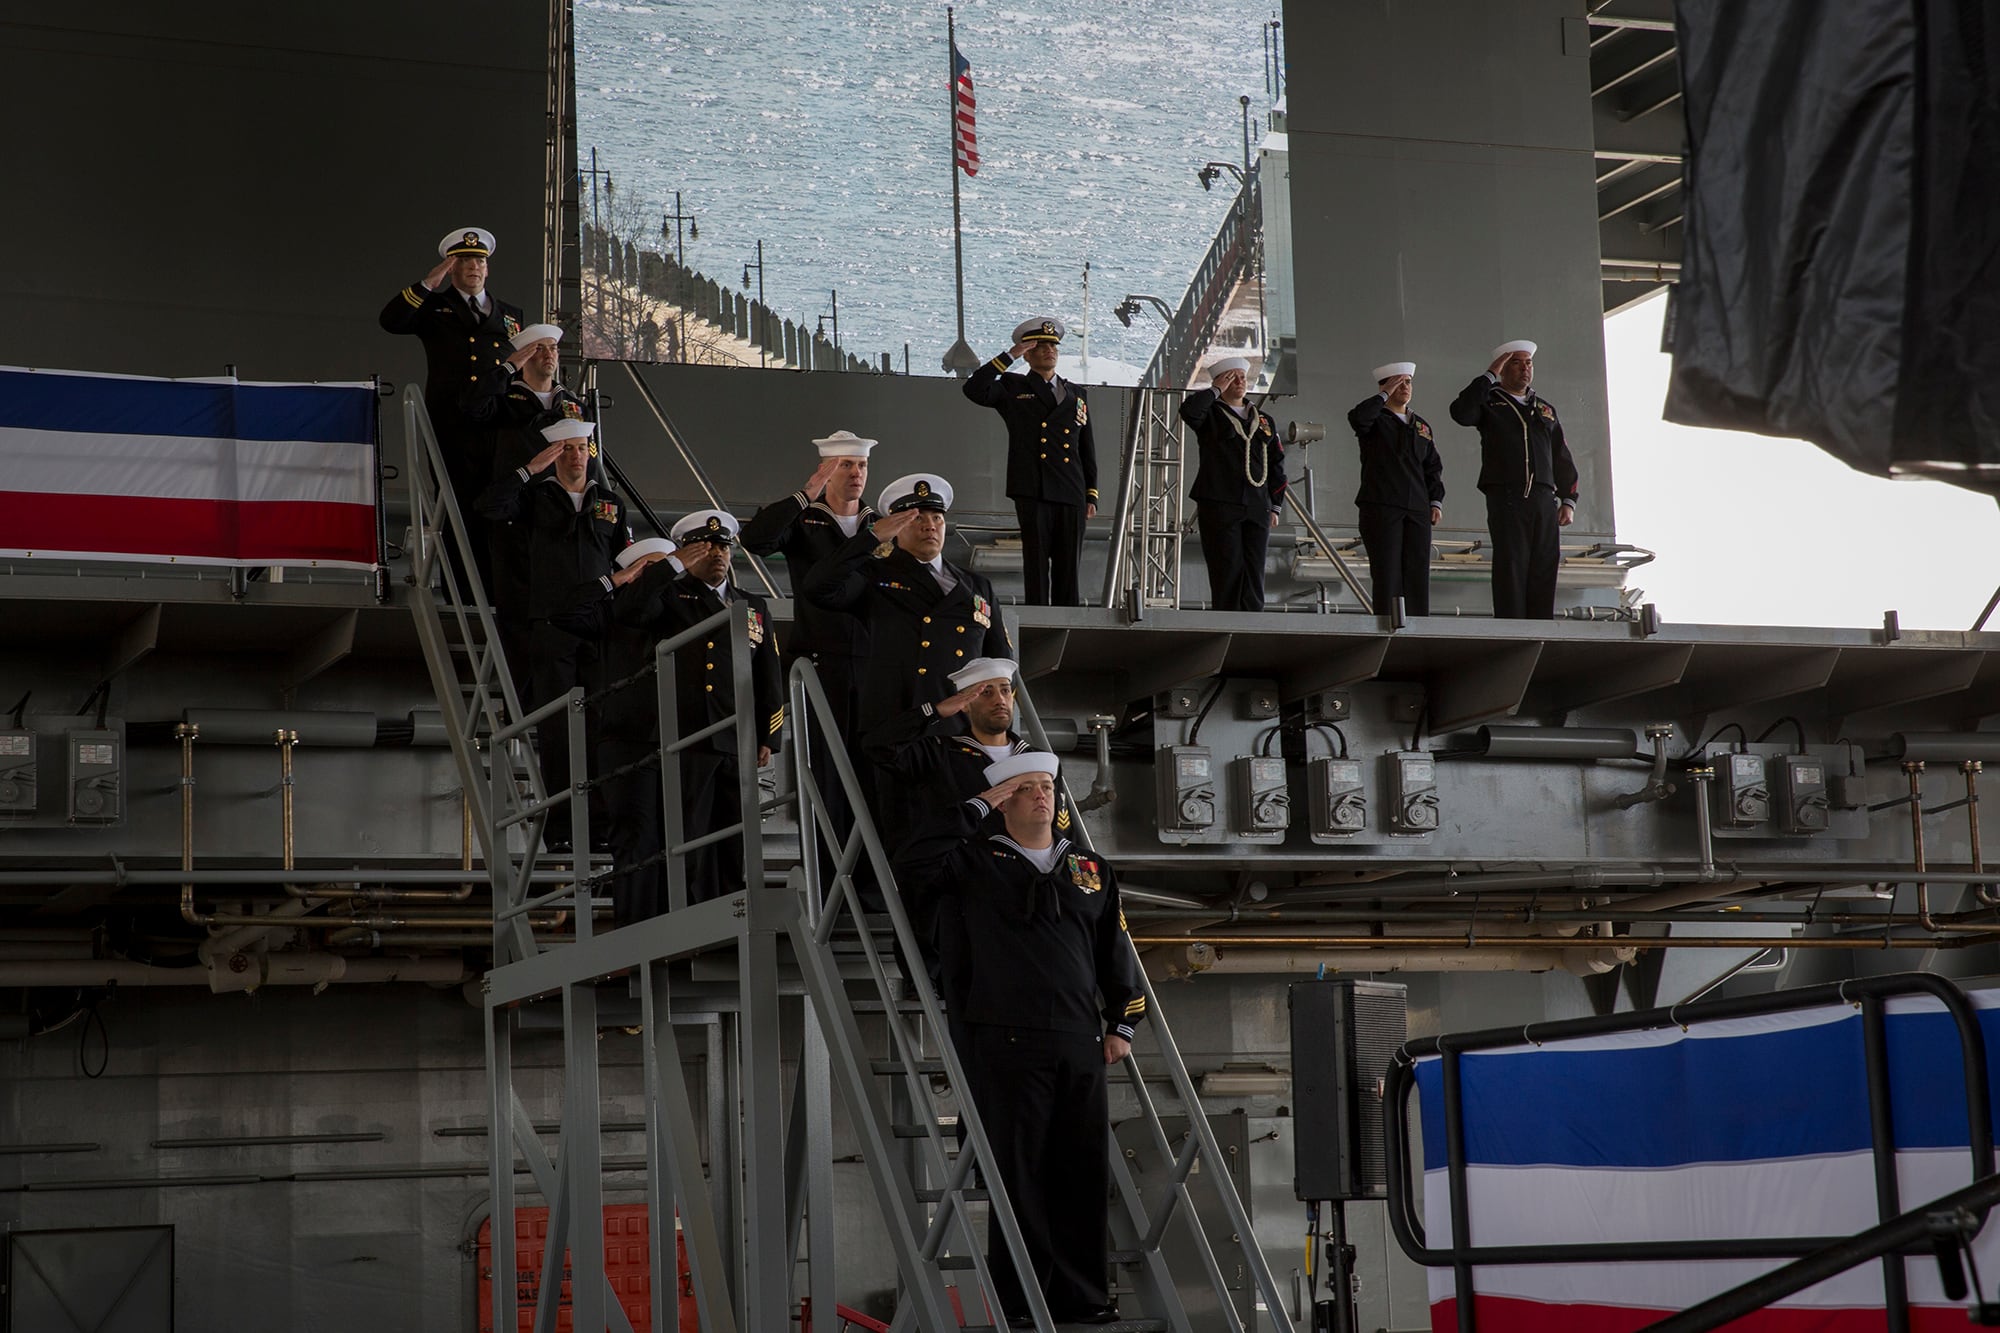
(1742, 792)
(1799, 794)
(96, 777)
(1186, 781)
(1259, 802)
(17, 773)
(1338, 803)
(1411, 792)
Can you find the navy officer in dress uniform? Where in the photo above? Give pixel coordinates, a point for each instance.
(926, 616)
(575, 529)
(1402, 490)
(465, 332)
(1051, 459)
(662, 605)
(1050, 993)
(1240, 486)
(512, 401)
(1527, 476)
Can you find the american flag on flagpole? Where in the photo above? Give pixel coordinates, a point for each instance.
(963, 138)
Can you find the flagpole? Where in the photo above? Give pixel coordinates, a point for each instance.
(961, 360)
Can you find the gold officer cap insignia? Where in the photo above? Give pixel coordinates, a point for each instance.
(923, 488)
(1048, 326)
(714, 523)
(470, 238)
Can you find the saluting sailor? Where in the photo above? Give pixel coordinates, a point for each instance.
(1527, 476)
(512, 401)
(1051, 459)
(1049, 993)
(575, 528)
(926, 616)
(1402, 490)
(465, 332)
(662, 605)
(1240, 486)
(807, 527)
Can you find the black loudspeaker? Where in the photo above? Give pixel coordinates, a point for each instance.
(1343, 1036)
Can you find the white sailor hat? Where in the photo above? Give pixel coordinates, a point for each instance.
(844, 444)
(919, 490)
(569, 428)
(1217, 369)
(639, 550)
(1395, 368)
(534, 333)
(980, 670)
(1518, 345)
(1041, 329)
(706, 525)
(467, 241)
(1014, 765)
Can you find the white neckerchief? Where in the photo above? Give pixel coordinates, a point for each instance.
(944, 577)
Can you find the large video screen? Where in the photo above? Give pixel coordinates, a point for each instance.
(826, 185)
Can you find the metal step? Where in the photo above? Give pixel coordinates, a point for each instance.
(896, 1066)
(947, 1127)
(971, 1196)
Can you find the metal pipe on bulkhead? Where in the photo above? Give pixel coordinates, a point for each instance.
(122, 972)
(185, 733)
(285, 740)
(1972, 768)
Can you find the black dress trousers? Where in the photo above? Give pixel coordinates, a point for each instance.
(1042, 1101)
(1051, 551)
(1233, 541)
(1525, 554)
(1398, 542)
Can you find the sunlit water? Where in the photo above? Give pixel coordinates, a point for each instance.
(823, 130)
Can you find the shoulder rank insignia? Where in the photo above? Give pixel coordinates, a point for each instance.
(756, 627)
(513, 325)
(1423, 428)
(982, 612)
(1082, 411)
(1062, 819)
(604, 510)
(1084, 874)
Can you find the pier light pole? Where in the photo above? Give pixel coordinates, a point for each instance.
(1245, 101)
(677, 217)
(757, 324)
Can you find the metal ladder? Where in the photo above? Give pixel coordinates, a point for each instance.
(1150, 522)
(743, 1274)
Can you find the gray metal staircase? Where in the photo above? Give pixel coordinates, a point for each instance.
(759, 1224)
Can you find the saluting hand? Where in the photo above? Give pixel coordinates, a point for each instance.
(888, 529)
(997, 797)
(822, 475)
(546, 459)
(958, 703)
(436, 275)
(1498, 361)
(1017, 351)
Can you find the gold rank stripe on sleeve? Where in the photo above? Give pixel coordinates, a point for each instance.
(410, 295)
(1136, 1007)
(777, 720)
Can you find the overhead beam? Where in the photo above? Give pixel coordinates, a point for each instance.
(1642, 669)
(1344, 664)
(1493, 686)
(1901, 680)
(1795, 672)
(321, 651)
(139, 637)
(1196, 659)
